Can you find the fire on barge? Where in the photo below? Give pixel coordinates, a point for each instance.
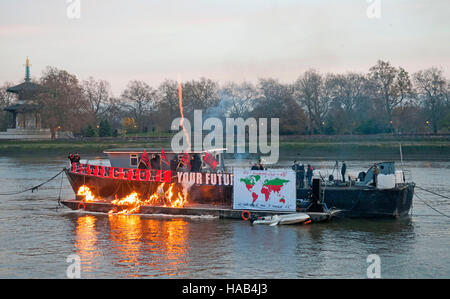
(198, 183)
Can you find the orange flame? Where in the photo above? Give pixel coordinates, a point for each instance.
(180, 103)
(87, 193)
(132, 202)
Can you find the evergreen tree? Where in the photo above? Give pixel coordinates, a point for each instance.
(90, 132)
(104, 129)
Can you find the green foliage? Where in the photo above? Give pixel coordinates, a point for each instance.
(445, 123)
(104, 129)
(5, 120)
(370, 127)
(90, 132)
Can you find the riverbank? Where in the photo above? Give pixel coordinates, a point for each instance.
(348, 147)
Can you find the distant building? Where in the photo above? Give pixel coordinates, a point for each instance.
(26, 116)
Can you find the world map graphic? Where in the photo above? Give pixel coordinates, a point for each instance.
(264, 189)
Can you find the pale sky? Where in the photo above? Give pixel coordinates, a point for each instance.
(229, 40)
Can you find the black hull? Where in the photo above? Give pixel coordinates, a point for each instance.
(366, 202)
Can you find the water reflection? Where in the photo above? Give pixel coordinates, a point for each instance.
(128, 246)
(86, 241)
(126, 235)
(139, 246)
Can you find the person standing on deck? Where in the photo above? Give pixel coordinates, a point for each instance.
(261, 165)
(309, 174)
(143, 162)
(71, 158)
(343, 170)
(376, 172)
(174, 163)
(196, 163)
(302, 176)
(154, 162)
(296, 168)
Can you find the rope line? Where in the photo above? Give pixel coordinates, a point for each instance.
(35, 188)
(432, 192)
(431, 206)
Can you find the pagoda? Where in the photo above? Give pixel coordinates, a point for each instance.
(26, 116)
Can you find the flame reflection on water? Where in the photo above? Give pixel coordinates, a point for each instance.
(86, 241)
(139, 246)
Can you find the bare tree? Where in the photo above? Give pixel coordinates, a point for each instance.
(64, 106)
(201, 94)
(240, 98)
(167, 103)
(6, 99)
(347, 90)
(349, 93)
(433, 92)
(393, 85)
(276, 100)
(98, 94)
(139, 98)
(312, 94)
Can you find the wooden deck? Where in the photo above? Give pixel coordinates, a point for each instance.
(222, 212)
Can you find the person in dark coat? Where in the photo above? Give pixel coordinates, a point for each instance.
(154, 162)
(309, 174)
(296, 168)
(376, 172)
(343, 170)
(260, 165)
(255, 166)
(174, 163)
(299, 174)
(196, 163)
(302, 176)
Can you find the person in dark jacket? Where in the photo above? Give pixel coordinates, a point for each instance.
(261, 166)
(196, 163)
(155, 162)
(174, 163)
(309, 174)
(296, 169)
(376, 172)
(343, 170)
(299, 174)
(255, 166)
(302, 176)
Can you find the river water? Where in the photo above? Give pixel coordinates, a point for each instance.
(36, 238)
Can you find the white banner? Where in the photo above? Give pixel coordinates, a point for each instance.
(272, 190)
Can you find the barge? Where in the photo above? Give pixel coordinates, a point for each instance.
(198, 183)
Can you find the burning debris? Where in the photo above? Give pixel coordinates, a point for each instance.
(87, 193)
(129, 204)
(163, 196)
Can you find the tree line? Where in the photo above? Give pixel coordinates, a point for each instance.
(386, 99)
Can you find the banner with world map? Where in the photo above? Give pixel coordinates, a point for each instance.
(272, 190)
